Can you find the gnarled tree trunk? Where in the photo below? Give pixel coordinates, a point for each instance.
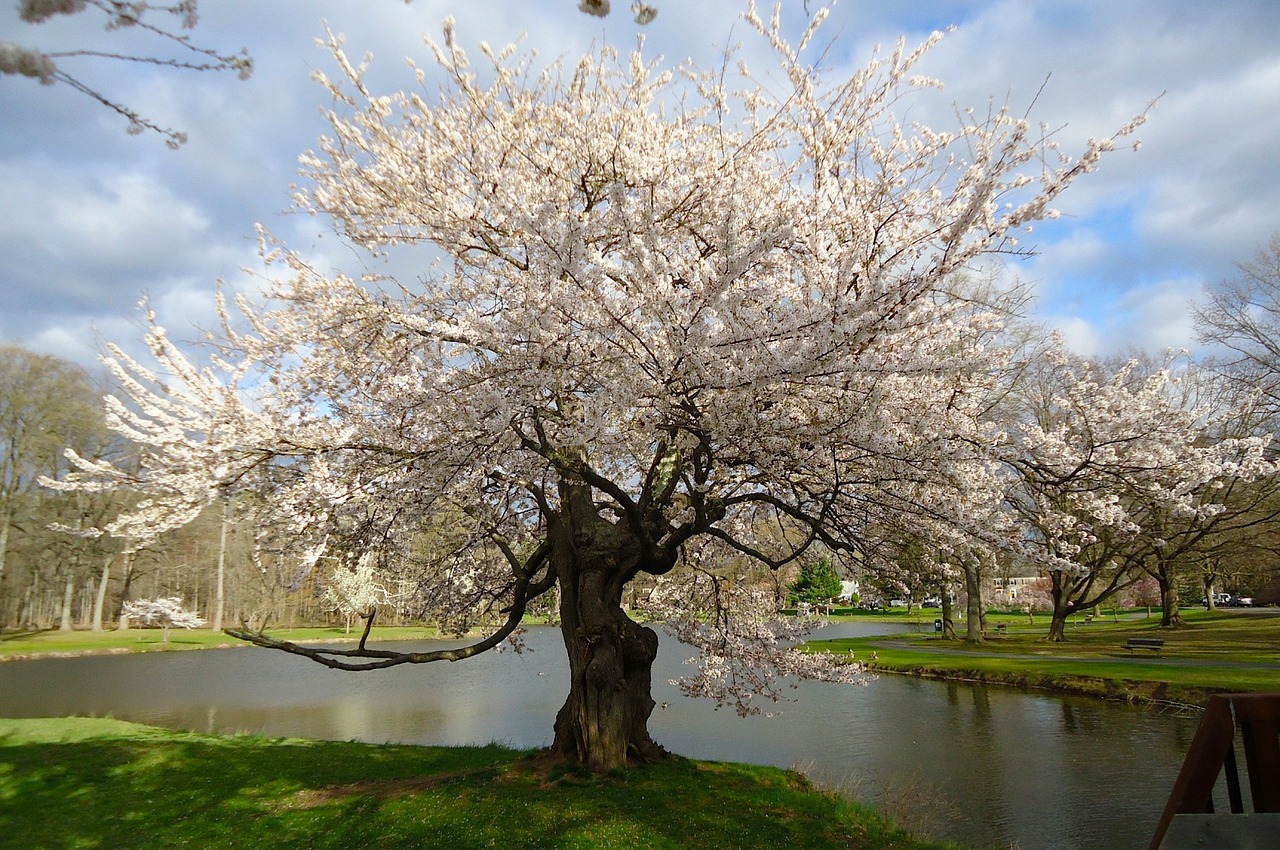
(604, 722)
(1059, 585)
(1170, 615)
(975, 628)
(948, 618)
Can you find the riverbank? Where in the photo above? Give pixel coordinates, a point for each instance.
(79, 782)
(1213, 652)
(20, 645)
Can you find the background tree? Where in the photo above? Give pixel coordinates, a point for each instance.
(1240, 318)
(46, 405)
(817, 582)
(1116, 475)
(166, 612)
(659, 330)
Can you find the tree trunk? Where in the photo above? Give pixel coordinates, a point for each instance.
(28, 615)
(1209, 592)
(68, 593)
(4, 543)
(1057, 626)
(974, 625)
(101, 597)
(125, 581)
(604, 721)
(948, 621)
(1169, 613)
(219, 596)
(1061, 609)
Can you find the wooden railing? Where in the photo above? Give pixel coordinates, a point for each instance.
(1213, 753)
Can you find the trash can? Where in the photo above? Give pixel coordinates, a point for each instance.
(937, 625)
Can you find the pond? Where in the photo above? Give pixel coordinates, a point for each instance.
(986, 766)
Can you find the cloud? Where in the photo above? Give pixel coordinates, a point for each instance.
(1154, 319)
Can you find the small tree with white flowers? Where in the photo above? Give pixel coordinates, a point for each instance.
(166, 612)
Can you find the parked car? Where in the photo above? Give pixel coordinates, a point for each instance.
(1244, 601)
(931, 602)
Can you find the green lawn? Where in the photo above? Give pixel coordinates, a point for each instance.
(100, 783)
(24, 644)
(1197, 658)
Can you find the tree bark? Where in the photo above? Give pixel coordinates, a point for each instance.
(1169, 613)
(100, 599)
(974, 616)
(219, 594)
(948, 619)
(4, 543)
(1058, 590)
(68, 592)
(603, 724)
(125, 581)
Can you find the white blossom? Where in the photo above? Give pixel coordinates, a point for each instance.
(166, 612)
(26, 62)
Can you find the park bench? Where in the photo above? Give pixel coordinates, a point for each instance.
(1153, 644)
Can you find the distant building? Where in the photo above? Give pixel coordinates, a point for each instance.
(1010, 587)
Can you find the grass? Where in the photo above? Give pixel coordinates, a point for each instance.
(98, 783)
(1198, 658)
(26, 644)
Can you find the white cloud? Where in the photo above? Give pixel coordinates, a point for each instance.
(1153, 318)
(1078, 335)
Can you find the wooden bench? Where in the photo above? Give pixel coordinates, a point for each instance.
(1153, 644)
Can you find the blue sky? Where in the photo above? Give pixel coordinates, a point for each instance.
(94, 218)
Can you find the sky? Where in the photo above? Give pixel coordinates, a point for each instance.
(93, 219)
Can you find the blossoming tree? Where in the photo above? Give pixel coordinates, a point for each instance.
(166, 612)
(669, 316)
(1115, 475)
(356, 591)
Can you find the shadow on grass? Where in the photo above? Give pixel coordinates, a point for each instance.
(160, 789)
(19, 634)
(205, 792)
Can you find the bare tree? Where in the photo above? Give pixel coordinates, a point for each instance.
(46, 405)
(1241, 317)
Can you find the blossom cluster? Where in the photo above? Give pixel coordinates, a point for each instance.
(166, 612)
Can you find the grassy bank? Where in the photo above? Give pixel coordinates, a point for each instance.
(86, 783)
(1213, 652)
(16, 645)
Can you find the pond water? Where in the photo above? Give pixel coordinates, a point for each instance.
(985, 766)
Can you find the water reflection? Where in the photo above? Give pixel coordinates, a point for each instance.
(1016, 768)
